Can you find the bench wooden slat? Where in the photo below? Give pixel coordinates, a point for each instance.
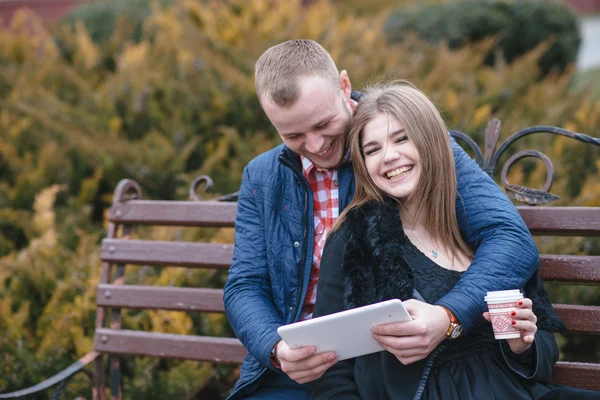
(155, 252)
(563, 221)
(174, 213)
(580, 319)
(573, 269)
(581, 375)
(166, 345)
(161, 298)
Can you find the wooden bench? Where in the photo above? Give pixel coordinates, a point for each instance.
(120, 250)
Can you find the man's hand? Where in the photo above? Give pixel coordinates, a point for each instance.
(303, 365)
(412, 341)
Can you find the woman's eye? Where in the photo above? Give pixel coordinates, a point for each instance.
(370, 151)
(401, 139)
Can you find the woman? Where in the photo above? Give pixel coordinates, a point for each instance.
(399, 238)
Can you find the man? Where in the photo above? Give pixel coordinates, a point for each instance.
(289, 199)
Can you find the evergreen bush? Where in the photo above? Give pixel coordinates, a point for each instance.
(519, 27)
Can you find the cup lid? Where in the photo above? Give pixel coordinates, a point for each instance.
(503, 295)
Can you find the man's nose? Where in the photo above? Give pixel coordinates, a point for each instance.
(314, 142)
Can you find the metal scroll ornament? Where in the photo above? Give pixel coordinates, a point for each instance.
(490, 158)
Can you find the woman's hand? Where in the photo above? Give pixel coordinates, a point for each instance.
(524, 320)
(412, 341)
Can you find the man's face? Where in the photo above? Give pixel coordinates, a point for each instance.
(317, 124)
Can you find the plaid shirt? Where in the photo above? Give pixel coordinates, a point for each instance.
(324, 185)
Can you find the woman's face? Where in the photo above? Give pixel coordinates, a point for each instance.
(391, 158)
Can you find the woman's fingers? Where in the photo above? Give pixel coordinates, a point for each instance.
(525, 303)
(523, 314)
(407, 356)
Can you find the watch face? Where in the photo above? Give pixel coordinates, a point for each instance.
(456, 331)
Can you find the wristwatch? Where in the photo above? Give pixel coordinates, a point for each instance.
(455, 329)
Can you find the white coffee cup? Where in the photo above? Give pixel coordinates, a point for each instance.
(500, 305)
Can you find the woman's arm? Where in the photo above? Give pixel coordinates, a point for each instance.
(338, 381)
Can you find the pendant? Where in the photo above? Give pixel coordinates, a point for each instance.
(435, 253)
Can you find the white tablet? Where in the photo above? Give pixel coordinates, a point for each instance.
(347, 333)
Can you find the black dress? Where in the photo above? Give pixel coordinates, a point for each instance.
(474, 366)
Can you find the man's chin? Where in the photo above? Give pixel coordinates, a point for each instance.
(328, 164)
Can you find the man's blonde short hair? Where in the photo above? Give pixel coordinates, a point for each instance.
(280, 67)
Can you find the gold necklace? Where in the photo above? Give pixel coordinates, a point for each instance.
(434, 252)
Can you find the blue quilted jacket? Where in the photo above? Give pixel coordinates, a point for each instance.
(272, 259)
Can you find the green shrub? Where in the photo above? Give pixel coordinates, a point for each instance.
(519, 27)
(101, 17)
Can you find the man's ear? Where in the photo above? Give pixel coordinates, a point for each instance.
(345, 84)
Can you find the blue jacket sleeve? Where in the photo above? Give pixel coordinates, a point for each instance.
(247, 295)
(505, 253)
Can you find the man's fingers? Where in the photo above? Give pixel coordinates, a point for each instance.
(309, 365)
(302, 375)
(308, 379)
(287, 354)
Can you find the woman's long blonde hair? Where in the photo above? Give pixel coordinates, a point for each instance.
(436, 192)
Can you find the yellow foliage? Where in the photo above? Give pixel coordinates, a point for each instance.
(88, 53)
(171, 322)
(482, 115)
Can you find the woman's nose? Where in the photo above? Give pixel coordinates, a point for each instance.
(390, 154)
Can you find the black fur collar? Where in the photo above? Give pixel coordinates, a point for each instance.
(375, 268)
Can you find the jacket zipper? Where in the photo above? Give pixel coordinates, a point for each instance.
(305, 222)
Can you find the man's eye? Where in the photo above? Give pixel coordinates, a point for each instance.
(401, 139)
(325, 125)
(293, 137)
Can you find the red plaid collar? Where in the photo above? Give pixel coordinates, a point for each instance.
(324, 186)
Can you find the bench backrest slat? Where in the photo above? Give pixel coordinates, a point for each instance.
(155, 252)
(572, 269)
(579, 319)
(174, 213)
(160, 298)
(166, 345)
(562, 221)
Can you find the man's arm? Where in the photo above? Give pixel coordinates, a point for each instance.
(248, 297)
(248, 293)
(505, 253)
